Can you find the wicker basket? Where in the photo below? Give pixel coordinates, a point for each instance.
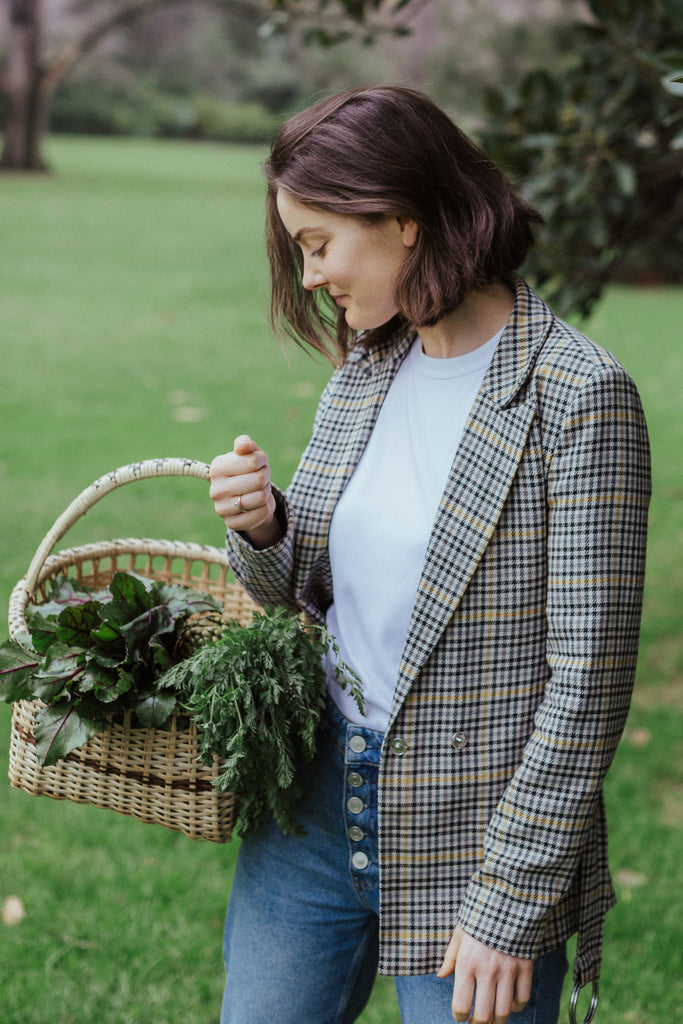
(150, 774)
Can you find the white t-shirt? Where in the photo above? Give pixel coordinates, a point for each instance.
(383, 520)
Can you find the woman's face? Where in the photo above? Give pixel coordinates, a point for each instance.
(355, 261)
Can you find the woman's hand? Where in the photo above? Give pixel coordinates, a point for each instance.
(503, 983)
(242, 495)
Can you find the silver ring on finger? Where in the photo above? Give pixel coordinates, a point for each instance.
(238, 503)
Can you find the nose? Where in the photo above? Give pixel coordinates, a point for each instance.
(312, 277)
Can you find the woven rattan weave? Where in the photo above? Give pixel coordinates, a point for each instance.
(150, 774)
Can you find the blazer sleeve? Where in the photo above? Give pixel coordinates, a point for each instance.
(267, 574)
(598, 496)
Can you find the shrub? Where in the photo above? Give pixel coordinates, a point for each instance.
(232, 122)
(86, 106)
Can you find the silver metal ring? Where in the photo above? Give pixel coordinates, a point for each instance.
(238, 504)
(575, 998)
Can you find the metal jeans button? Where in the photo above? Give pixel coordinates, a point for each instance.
(354, 779)
(355, 805)
(357, 744)
(356, 833)
(360, 860)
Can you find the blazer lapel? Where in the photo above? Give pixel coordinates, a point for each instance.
(482, 473)
(382, 369)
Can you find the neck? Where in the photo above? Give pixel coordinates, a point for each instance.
(471, 325)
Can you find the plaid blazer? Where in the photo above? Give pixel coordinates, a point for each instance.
(519, 660)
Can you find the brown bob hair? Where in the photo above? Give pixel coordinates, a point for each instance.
(390, 151)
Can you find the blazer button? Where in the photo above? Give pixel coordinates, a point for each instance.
(458, 740)
(399, 746)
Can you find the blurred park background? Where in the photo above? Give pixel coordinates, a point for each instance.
(133, 307)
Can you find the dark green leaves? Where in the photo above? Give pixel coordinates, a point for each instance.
(98, 654)
(59, 668)
(16, 668)
(59, 728)
(674, 9)
(75, 624)
(596, 141)
(154, 709)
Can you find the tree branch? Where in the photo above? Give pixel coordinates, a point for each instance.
(376, 18)
(121, 17)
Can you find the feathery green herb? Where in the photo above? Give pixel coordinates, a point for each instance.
(257, 696)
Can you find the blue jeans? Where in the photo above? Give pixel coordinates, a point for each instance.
(301, 932)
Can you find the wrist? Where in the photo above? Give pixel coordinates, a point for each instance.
(272, 531)
(265, 535)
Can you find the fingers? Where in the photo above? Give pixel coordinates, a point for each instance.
(487, 984)
(244, 444)
(246, 457)
(243, 501)
(450, 956)
(505, 988)
(240, 486)
(464, 996)
(522, 993)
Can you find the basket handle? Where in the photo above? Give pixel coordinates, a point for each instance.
(98, 490)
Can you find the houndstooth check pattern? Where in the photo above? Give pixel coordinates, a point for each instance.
(520, 656)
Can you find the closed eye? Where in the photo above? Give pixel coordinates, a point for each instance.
(319, 252)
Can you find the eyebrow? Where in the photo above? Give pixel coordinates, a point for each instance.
(305, 231)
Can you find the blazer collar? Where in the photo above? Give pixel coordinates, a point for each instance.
(518, 349)
(383, 359)
(514, 359)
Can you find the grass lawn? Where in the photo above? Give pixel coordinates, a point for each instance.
(133, 309)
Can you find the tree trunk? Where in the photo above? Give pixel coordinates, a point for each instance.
(29, 84)
(26, 99)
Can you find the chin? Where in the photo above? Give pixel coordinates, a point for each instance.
(360, 323)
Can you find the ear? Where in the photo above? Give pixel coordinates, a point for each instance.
(409, 231)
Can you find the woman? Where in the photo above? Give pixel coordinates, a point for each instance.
(469, 519)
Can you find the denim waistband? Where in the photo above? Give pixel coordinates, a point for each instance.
(347, 735)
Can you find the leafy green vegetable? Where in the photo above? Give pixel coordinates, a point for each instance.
(59, 728)
(257, 693)
(257, 696)
(17, 666)
(97, 654)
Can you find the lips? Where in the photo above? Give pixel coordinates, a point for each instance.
(339, 299)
